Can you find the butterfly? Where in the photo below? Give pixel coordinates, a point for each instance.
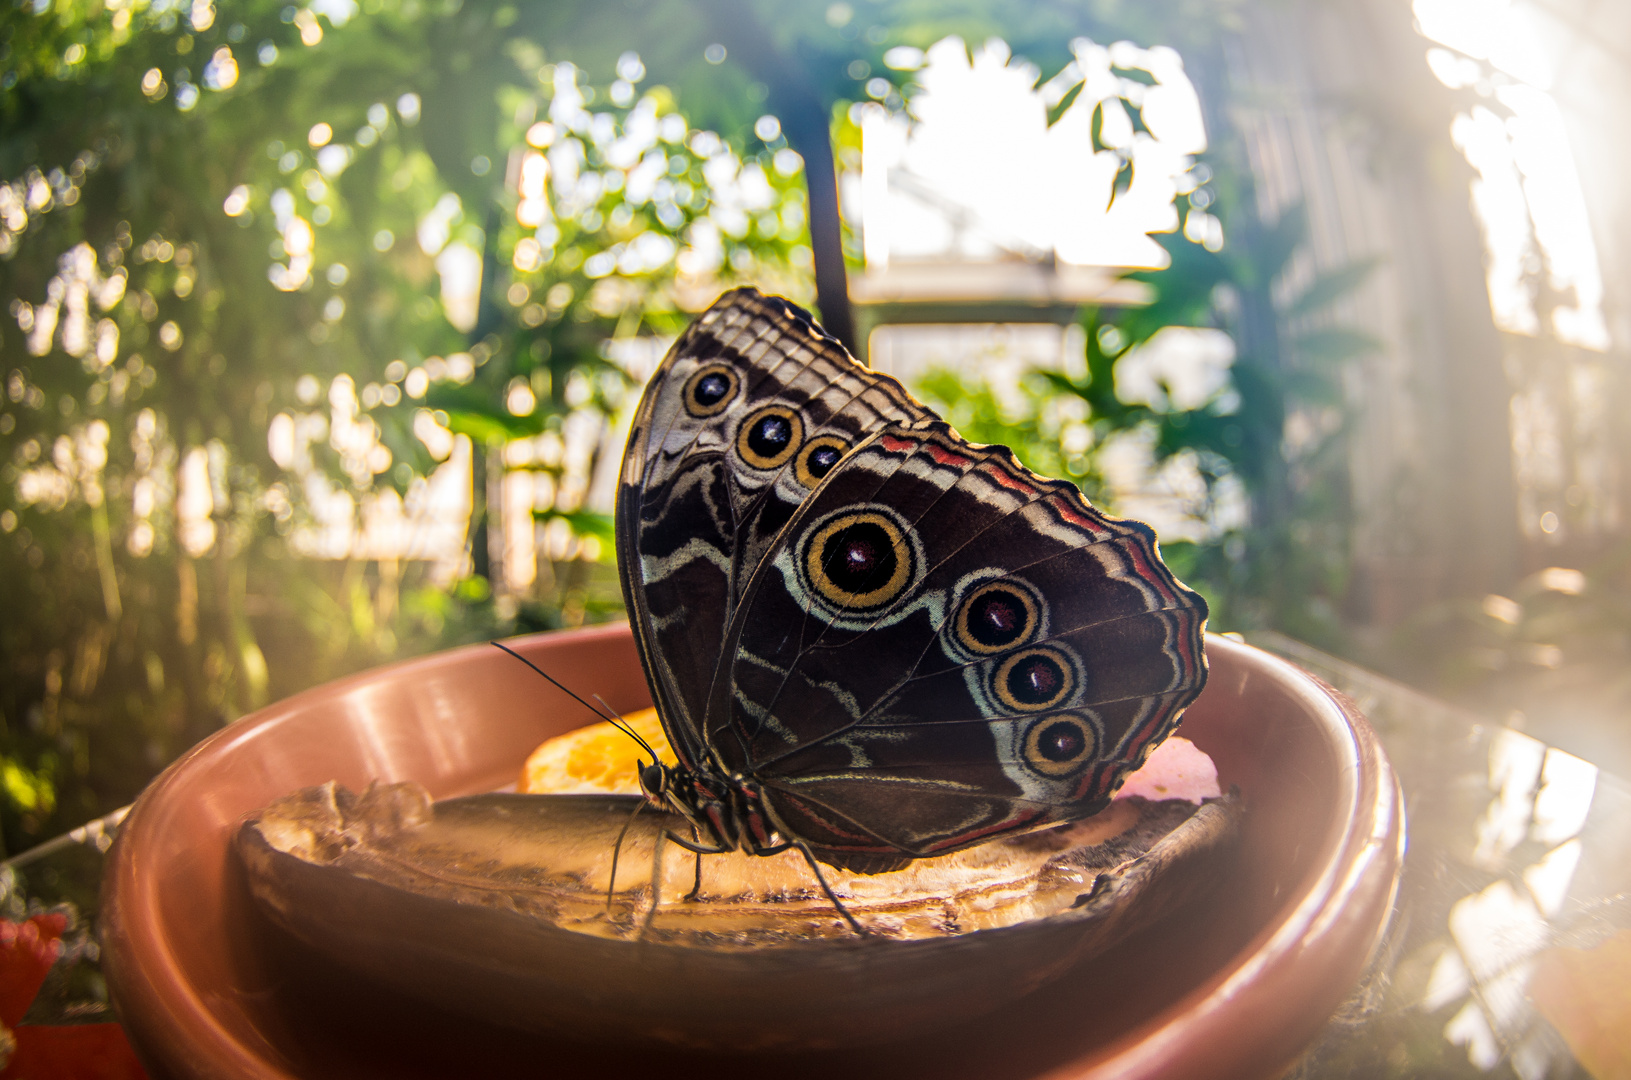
(867, 638)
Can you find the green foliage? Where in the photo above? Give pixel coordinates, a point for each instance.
(215, 222)
(1038, 433)
(1063, 106)
(1288, 569)
(212, 224)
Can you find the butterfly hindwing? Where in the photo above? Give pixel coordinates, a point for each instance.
(941, 647)
(752, 406)
(864, 633)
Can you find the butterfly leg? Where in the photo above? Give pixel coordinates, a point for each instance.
(804, 849)
(699, 849)
(693, 845)
(696, 885)
(657, 869)
(656, 883)
(617, 850)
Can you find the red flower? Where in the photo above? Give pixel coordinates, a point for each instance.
(39, 1052)
(27, 951)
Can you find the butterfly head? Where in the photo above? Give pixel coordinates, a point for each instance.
(654, 781)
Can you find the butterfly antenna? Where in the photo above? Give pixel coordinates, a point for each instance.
(622, 725)
(552, 679)
(610, 715)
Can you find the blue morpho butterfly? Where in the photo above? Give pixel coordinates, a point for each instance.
(868, 639)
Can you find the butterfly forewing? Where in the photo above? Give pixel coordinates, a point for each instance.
(752, 407)
(908, 644)
(942, 647)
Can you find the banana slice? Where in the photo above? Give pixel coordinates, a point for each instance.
(505, 907)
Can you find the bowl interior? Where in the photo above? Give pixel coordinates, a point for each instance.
(1234, 988)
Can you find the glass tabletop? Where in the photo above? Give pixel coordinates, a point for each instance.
(1509, 953)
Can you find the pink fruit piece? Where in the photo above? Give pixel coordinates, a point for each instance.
(1177, 769)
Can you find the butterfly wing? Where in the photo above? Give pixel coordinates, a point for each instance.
(752, 406)
(942, 647)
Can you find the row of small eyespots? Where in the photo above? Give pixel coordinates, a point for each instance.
(769, 438)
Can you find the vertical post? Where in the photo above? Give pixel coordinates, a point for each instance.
(807, 131)
(805, 118)
(487, 462)
(480, 560)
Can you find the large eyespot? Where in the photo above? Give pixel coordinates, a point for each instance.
(1034, 679)
(995, 617)
(711, 390)
(768, 438)
(1060, 744)
(858, 561)
(818, 458)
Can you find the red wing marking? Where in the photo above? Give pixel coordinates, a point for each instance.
(868, 843)
(1018, 821)
(896, 445)
(1086, 524)
(1003, 479)
(1186, 650)
(1141, 567)
(946, 457)
(1158, 719)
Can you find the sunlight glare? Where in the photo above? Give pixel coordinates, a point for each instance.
(981, 174)
(1528, 196)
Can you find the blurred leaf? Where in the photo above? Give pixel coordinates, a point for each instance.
(1273, 245)
(1138, 75)
(29, 790)
(1331, 286)
(1183, 291)
(1335, 344)
(1123, 181)
(494, 428)
(1136, 115)
(1064, 105)
(1312, 387)
(583, 523)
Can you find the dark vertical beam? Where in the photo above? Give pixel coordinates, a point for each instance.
(486, 532)
(805, 117)
(810, 136)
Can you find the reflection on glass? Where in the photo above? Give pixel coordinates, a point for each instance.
(1495, 929)
(1548, 880)
(1515, 762)
(1567, 786)
(1540, 795)
(1470, 1029)
(1450, 981)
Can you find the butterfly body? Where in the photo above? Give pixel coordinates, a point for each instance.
(867, 637)
(727, 812)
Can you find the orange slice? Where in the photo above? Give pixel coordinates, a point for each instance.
(598, 759)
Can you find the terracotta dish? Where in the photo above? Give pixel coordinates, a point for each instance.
(1235, 989)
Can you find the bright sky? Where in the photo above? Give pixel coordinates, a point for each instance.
(981, 175)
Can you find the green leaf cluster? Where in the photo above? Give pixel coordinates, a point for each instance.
(213, 224)
(1288, 567)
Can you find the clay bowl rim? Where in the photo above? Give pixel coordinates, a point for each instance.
(1338, 918)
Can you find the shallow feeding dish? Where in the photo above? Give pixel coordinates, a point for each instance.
(1236, 986)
